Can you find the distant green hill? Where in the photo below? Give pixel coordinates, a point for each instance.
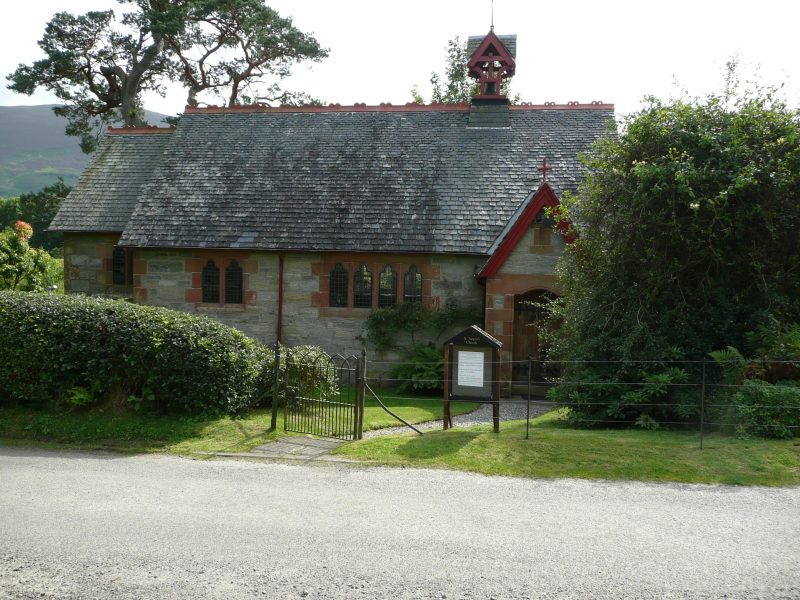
(34, 151)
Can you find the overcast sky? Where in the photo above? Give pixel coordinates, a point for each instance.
(614, 51)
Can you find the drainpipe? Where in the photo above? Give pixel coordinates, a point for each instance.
(279, 332)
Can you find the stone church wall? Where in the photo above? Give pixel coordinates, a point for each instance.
(172, 278)
(530, 266)
(87, 264)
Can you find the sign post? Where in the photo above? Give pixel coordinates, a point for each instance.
(471, 373)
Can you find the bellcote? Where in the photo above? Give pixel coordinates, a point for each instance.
(491, 61)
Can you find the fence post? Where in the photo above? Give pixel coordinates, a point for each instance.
(447, 422)
(703, 404)
(276, 384)
(496, 393)
(528, 413)
(361, 385)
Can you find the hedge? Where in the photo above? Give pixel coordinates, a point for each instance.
(85, 350)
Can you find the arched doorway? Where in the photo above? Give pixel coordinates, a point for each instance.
(530, 311)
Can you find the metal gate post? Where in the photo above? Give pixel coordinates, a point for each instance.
(286, 390)
(276, 383)
(363, 393)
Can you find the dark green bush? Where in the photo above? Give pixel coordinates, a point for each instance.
(421, 370)
(622, 395)
(81, 351)
(767, 410)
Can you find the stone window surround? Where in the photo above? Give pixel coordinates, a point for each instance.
(222, 259)
(122, 266)
(375, 263)
(193, 263)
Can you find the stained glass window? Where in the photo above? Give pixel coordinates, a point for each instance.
(387, 288)
(210, 282)
(119, 266)
(337, 294)
(362, 287)
(234, 284)
(412, 285)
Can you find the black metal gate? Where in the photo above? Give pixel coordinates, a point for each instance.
(324, 396)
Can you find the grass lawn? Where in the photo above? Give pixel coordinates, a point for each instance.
(181, 435)
(136, 433)
(555, 450)
(414, 409)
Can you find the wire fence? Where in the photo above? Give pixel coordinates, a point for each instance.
(694, 395)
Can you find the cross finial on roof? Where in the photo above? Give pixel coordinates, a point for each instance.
(544, 169)
(491, 28)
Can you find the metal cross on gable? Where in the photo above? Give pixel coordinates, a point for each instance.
(545, 168)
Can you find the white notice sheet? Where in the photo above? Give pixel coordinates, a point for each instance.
(470, 368)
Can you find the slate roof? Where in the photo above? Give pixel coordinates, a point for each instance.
(413, 179)
(509, 41)
(108, 190)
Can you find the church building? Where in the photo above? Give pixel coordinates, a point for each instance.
(293, 223)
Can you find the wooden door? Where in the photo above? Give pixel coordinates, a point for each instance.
(529, 314)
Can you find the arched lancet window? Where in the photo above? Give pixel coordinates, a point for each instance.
(362, 287)
(337, 287)
(234, 284)
(120, 270)
(412, 285)
(387, 288)
(210, 282)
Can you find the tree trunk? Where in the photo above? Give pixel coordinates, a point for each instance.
(132, 115)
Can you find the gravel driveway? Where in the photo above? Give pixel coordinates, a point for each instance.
(123, 527)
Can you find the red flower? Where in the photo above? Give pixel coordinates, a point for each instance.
(23, 229)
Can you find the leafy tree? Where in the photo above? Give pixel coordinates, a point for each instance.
(9, 211)
(229, 44)
(21, 267)
(99, 66)
(689, 238)
(455, 86)
(38, 209)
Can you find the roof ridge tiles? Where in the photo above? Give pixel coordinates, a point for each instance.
(357, 107)
(139, 130)
(385, 107)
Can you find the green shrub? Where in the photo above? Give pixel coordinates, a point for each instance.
(605, 395)
(307, 369)
(388, 328)
(79, 351)
(421, 370)
(767, 410)
(22, 267)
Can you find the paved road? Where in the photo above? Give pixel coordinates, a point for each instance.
(93, 526)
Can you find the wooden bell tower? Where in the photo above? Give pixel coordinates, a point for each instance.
(491, 64)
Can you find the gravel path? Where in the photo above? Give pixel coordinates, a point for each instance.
(75, 526)
(510, 410)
